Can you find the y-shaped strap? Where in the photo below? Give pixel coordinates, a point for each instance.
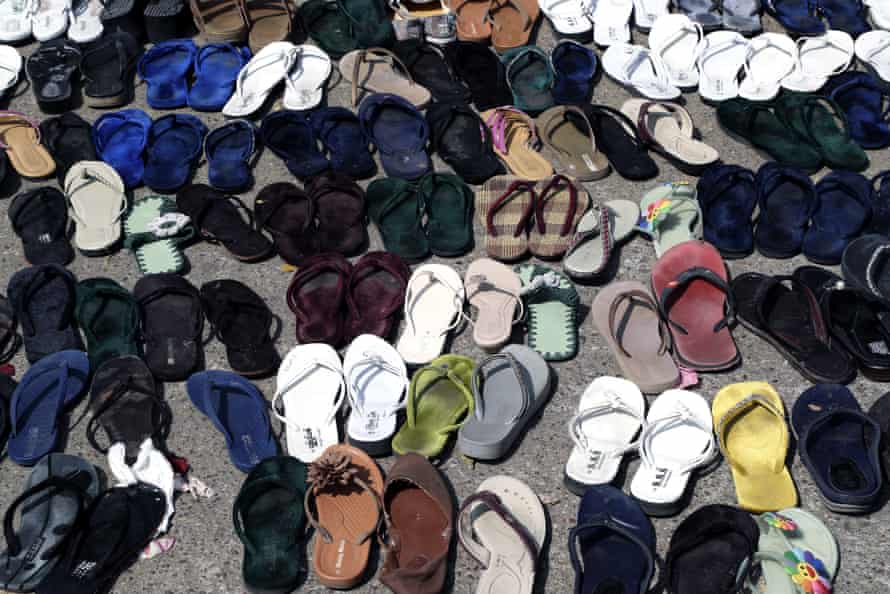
(362, 57)
(680, 416)
(594, 444)
(301, 374)
(467, 535)
(411, 298)
(443, 373)
(478, 386)
(371, 364)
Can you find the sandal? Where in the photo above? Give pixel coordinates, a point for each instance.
(288, 214)
(820, 58)
(345, 142)
(290, 135)
(97, 200)
(316, 295)
(640, 69)
(771, 58)
(20, 138)
(559, 206)
(454, 137)
(399, 132)
(862, 97)
(786, 198)
(328, 26)
(230, 150)
(480, 69)
(120, 138)
(473, 20)
(512, 23)
(216, 66)
(374, 71)
(530, 78)
(597, 234)
(841, 212)
(109, 318)
(269, 22)
(341, 226)
(40, 218)
(494, 290)
(720, 58)
(505, 207)
(676, 40)
(515, 141)
(575, 146)
(727, 195)
(155, 230)
(259, 77)
(551, 304)
(69, 139)
(448, 204)
(173, 150)
(50, 70)
(434, 304)
(165, 68)
(429, 67)
(220, 21)
(617, 137)
(107, 69)
(670, 214)
(375, 293)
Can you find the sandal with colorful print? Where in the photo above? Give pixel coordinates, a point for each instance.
(154, 230)
(669, 215)
(551, 305)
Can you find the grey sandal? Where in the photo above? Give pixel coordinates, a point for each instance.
(742, 16)
(704, 12)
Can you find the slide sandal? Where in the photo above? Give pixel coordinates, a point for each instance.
(627, 318)
(164, 68)
(503, 526)
(58, 490)
(670, 215)
(304, 85)
(610, 415)
(47, 389)
(515, 139)
(20, 138)
(597, 234)
(749, 419)
(259, 77)
(493, 289)
(613, 544)
(439, 402)
(677, 440)
(551, 301)
(377, 385)
(120, 138)
(690, 286)
(238, 410)
(217, 66)
(309, 392)
(500, 417)
(434, 305)
(97, 200)
(173, 149)
(721, 56)
(154, 230)
(839, 445)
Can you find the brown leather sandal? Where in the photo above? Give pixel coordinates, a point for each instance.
(220, 21)
(512, 22)
(378, 70)
(473, 23)
(270, 21)
(344, 488)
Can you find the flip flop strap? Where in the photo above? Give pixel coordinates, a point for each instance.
(88, 177)
(298, 68)
(603, 229)
(255, 65)
(677, 113)
(601, 521)
(706, 51)
(688, 276)
(481, 284)
(592, 445)
(824, 42)
(60, 484)
(443, 372)
(301, 374)
(749, 402)
(361, 58)
(411, 298)
(687, 28)
(25, 119)
(640, 57)
(755, 48)
(636, 298)
(878, 49)
(515, 189)
(372, 363)
(244, 499)
(878, 255)
(682, 415)
(58, 394)
(311, 494)
(549, 192)
(479, 387)
(467, 535)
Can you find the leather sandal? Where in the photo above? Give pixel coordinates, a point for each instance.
(270, 21)
(378, 70)
(220, 21)
(515, 140)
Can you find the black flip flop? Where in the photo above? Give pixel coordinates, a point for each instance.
(429, 68)
(880, 412)
(10, 341)
(242, 321)
(40, 218)
(162, 20)
(617, 137)
(107, 67)
(285, 211)
(482, 71)
(455, 135)
(172, 321)
(50, 70)
(69, 139)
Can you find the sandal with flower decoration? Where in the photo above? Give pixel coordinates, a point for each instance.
(669, 215)
(342, 503)
(154, 230)
(797, 554)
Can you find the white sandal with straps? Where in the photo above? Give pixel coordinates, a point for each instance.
(610, 415)
(873, 49)
(819, 58)
(10, 67)
(310, 391)
(434, 305)
(677, 439)
(304, 83)
(641, 69)
(675, 39)
(259, 76)
(96, 201)
(721, 55)
(770, 58)
(611, 22)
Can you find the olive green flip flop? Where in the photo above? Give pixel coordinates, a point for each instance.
(669, 215)
(551, 305)
(154, 230)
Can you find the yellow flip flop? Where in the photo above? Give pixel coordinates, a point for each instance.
(750, 424)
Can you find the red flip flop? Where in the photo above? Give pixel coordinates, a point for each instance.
(689, 282)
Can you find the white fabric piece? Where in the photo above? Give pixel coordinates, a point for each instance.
(151, 467)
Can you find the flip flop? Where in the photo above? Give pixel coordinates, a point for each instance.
(164, 68)
(216, 67)
(670, 214)
(107, 68)
(551, 301)
(749, 420)
(694, 297)
(503, 526)
(515, 138)
(560, 204)
(500, 418)
(10, 67)
(304, 85)
(720, 58)
(20, 138)
(727, 195)
(47, 389)
(820, 58)
(40, 218)
(399, 132)
(640, 69)
(839, 445)
(676, 40)
(174, 146)
(97, 200)
(155, 231)
(120, 140)
(604, 430)
(620, 141)
(864, 264)
(770, 59)
(505, 207)
(439, 402)
(290, 135)
(637, 336)
(512, 23)
(871, 49)
(259, 77)
(575, 146)
(378, 70)
(343, 138)
(597, 234)
(473, 22)
(786, 197)
(530, 78)
(611, 22)
(108, 316)
(434, 304)
(494, 290)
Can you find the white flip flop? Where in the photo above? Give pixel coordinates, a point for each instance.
(641, 69)
(675, 39)
(15, 21)
(610, 415)
(260, 75)
(569, 17)
(50, 19)
(647, 12)
(434, 302)
(86, 21)
(376, 383)
(721, 56)
(310, 390)
(819, 58)
(873, 49)
(305, 82)
(151, 467)
(770, 58)
(96, 201)
(879, 10)
(10, 67)
(677, 439)
(611, 21)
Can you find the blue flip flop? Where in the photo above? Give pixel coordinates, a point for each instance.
(346, 143)
(49, 387)
(839, 445)
(861, 96)
(120, 138)
(228, 150)
(235, 407)
(787, 198)
(612, 547)
(164, 68)
(175, 143)
(575, 67)
(216, 68)
(797, 16)
(399, 132)
(845, 15)
(727, 195)
(843, 208)
(289, 134)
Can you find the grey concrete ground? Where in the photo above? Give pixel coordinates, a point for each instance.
(207, 555)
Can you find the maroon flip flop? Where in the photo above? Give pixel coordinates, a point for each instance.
(340, 211)
(285, 211)
(689, 282)
(316, 295)
(375, 294)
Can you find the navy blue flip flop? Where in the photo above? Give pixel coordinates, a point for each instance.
(175, 143)
(346, 143)
(727, 195)
(120, 138)
(238, 410)
(49, 387)
(787, 198)
(839, 445)
(861, 96)
(399, 132)
(612, 547)
(229, 150)
(216, 68)
(797, 16)
(164, 68)
(843, 208)
(575, 67)
(289, 134)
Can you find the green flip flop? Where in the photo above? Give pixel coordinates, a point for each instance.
(669, 215)
(394, 205)
(551, 305)
(448, 203)
(797, 554)
(439, 401)
(154, 231)
(108, 315)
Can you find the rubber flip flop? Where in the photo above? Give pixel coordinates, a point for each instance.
(575, 145)
(493, 289)
(530, 78)
(109, 318)
(512, 23)
(20, 138)
(259, 77)
(304, 85)
(378, 70)
(505, 207)
(290, 135)
(720, 57)
(727, 195)
(175, 145)
(473, 22)
(97, 200)
(120, 138)
(164, 68)
(434, 304)
(216, 68)
(343, 138)
(399, 132)
(670, 214)
(597, 234)
(559, 206)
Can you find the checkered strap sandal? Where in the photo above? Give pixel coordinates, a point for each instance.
(505, 206)
(558, 209)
